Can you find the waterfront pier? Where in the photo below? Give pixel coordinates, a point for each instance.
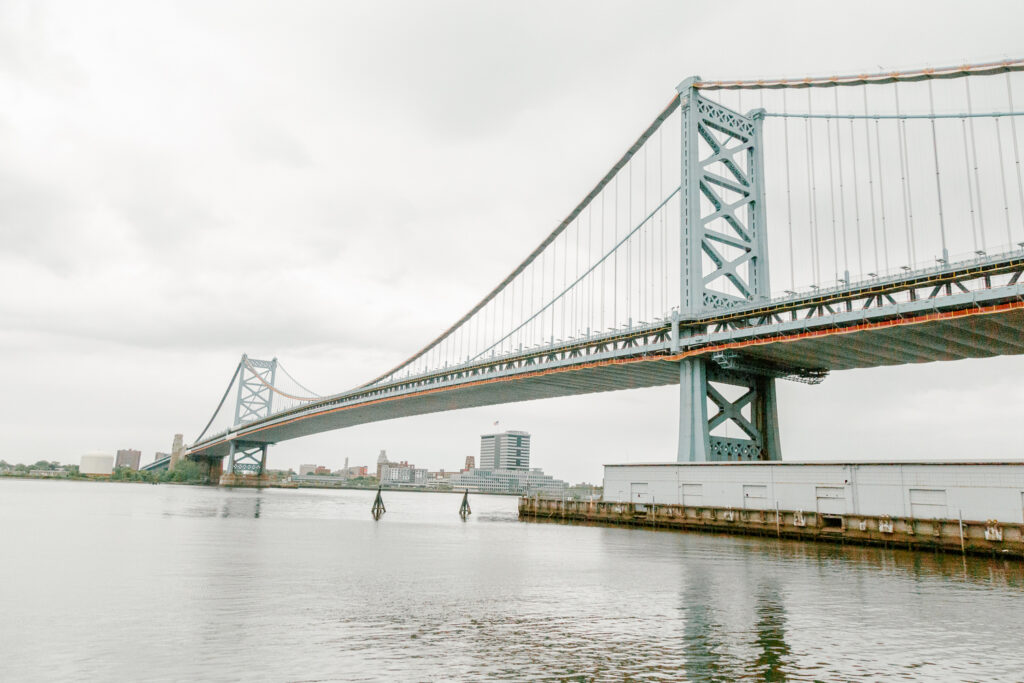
(954, 507)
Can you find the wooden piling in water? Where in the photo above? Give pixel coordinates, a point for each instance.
(378, 506)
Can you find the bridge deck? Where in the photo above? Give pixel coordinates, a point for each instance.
(973, 332)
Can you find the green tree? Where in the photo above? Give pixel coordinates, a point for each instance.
(186, 471)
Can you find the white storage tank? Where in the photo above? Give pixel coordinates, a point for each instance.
(97, 463)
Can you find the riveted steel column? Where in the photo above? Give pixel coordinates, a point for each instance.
(694, 438)
(764, 411)
(693, 411)
(691, 278)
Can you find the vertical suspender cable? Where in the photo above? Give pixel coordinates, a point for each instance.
(812, 204)
(664, 229)
(525, 337)
(871, 181)
(881, 194)
(842, 191)
(590, 260)
(938, 181)
(1016, 151)
(908, 215)
(856, 200)
(832, 197)
(642, 278)
(564, 303)
(554, 287)
(615, 270)
(600, 326)
(629, 249)
(789, 196)
(974, 157)
(543, 291)
(1002, 176)
(970, 188)
(579, 301)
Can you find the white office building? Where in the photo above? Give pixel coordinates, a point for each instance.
(398, 474)
(505, 468)
(506, 451)
(513, 482)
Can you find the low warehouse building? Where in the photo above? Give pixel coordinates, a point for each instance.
(955, 507)
(919, 490)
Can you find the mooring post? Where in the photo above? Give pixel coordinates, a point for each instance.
(378, 506)
(963, 550)
(464, 508)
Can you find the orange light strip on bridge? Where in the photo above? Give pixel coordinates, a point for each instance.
(781, 339)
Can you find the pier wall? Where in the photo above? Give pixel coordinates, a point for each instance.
(956, 507)
(946, 535)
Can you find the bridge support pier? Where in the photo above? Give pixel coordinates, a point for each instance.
(210, 468)
(726, 415)
(245, 457)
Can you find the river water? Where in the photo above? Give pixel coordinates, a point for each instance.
(129, 582)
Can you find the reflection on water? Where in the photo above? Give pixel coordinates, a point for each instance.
(242, 507)
(127, 582)
(771, 634)
(701, 635)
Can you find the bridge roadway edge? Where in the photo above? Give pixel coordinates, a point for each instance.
(860, 350)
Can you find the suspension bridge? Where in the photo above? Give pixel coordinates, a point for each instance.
(890, 205)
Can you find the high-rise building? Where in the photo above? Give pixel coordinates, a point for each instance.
(470, 463)
(506, 451)
(128, 457)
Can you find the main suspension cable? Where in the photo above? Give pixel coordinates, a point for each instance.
(220, 405)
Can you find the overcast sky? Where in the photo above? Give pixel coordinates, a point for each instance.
(334, 183)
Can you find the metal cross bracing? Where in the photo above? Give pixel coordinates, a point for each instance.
(255, 389)
(258, 384)
(660, 275)
(724, 263)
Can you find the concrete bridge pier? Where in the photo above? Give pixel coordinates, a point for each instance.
(210, 467)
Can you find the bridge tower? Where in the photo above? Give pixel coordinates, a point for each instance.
(254, 402)
(724, 262)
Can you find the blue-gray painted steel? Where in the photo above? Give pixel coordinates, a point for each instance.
(729, 177)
